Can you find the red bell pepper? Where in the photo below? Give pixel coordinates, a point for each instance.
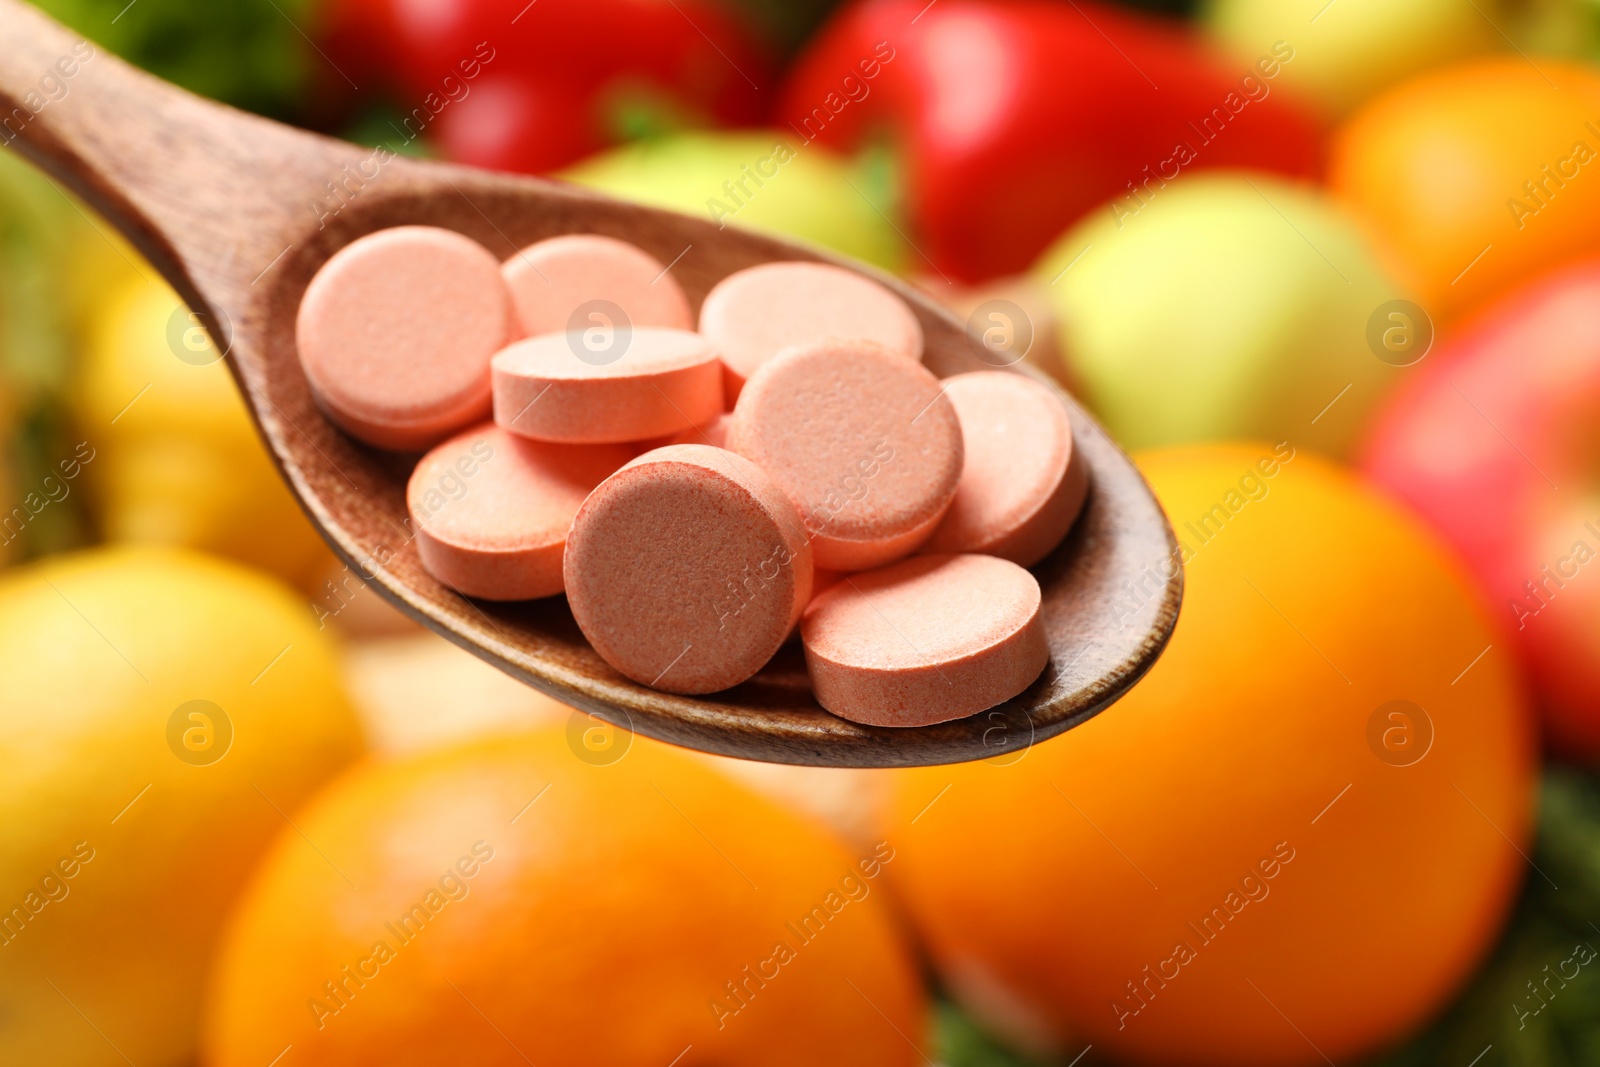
(1013, 118)
(533, 86)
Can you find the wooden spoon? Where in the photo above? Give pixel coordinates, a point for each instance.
(238, 212)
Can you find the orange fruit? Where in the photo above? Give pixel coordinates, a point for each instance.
(1479, 174)
(538, 898)
(164, 715)
(1255, 857)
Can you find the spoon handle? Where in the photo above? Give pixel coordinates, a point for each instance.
(205, 192)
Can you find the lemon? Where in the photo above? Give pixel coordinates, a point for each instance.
(178, 461)
(166, 713)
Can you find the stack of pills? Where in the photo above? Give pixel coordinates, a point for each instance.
(702, 492)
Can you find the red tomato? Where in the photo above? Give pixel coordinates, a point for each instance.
(535, 85)
(1015, 117)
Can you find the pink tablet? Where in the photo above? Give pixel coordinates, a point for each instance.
(687, 569)
(491, 510)
(753, 315)
(395, 333)
(925, 640)
(1023, 483)
(578, 279)
(624, 385)
(861, 439)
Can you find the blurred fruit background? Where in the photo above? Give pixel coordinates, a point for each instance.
(1330, 267)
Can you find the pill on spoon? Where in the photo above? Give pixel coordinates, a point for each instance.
(925, 640)
(603, 386)
(395, 333)
(1023, 482)
(585, 280)
(687, 569)
(754, 314)
(861, 439)
(491, 510)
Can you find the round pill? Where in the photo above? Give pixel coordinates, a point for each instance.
(861, 439)
(754, 314)
(491, 510)
(926, 640)
(603, 386)
(687, 569)
(1023, 483)
(395, 333)
(584, 280)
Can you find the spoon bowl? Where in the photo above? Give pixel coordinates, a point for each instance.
(238, 213)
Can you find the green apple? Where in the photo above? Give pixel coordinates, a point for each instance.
(764, 181)
(1222, 306)
(1344, 51)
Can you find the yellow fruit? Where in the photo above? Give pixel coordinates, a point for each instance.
(1254, 858)
(757, 180)
(132, 814)
(1225, 306)
(178, 460)
(1348, 50)
(532, 899)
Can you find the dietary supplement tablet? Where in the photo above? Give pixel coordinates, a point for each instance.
(925, 640)
(491, 510)
(396, 331)
(687, 569)
(756, 313)
(861, 439)
(1022, 483)
(646, 382)
(585, 280)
